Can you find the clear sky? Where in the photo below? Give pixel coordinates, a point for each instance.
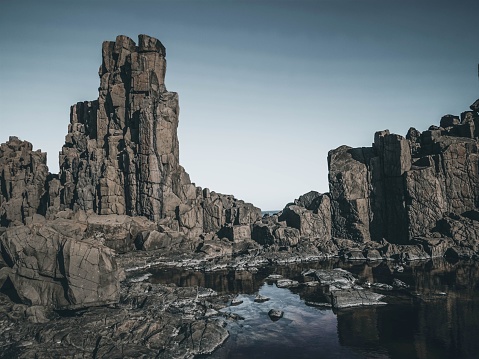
(266, 88)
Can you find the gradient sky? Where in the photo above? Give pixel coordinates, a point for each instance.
(266, 88)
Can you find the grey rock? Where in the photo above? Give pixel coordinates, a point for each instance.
(399, 284)
(23, 177)
(355, 298)
(286, 283)
(50, 268)
(335, 276)
(275, 314)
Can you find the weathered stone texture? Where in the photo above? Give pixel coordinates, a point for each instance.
(23, 175)
(121, 155)
(52, 268)
(400, 188)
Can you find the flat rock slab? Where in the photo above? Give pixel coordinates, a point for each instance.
(335, 276)
(355, 298)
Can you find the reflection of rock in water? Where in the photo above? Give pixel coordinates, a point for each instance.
(435, 318)
(442, 324)
(222, 282)
(358, 327)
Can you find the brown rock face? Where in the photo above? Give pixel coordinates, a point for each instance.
(52, 268)
(23, 175)
(401, 187)
(121, 154)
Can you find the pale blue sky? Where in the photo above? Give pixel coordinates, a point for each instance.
(266, 88)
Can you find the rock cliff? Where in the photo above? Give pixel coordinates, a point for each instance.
(121, 155)
(422, 189)
(120, 186)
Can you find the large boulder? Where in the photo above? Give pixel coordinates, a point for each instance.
(51, 268)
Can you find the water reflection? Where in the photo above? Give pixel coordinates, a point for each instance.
(438, 317)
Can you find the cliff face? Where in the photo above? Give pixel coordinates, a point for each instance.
(121, 155)
(400, 188)
(23, 174)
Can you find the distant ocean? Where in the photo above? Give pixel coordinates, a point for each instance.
(270, 212)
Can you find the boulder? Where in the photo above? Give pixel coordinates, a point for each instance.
(49, 268)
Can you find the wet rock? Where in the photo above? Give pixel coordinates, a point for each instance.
(261, 298)
(353, 255)
(275, 314)
(354, 298)
(399, 284)
(382, 286)
(335, 276)
(457, 252)
(236, 301)
(149, 321)
(286, 283)
(274, 277)
(408, 252)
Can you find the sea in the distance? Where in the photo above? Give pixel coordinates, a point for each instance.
(438, 317)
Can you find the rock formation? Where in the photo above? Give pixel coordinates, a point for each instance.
(23, 176)
(121, 155)
(50, 266)
(120, 186)
(421, 192)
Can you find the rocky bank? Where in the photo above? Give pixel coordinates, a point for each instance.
(71, 242)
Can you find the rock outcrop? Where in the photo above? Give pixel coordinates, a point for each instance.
(121, 155)
(120, 187)
(420, 192)
(400, 188)
(23, 177)
(51, 266)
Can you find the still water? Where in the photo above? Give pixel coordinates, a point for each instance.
(437, 317)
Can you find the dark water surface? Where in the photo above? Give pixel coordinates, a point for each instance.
(438, 317)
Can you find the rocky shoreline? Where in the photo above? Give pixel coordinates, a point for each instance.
(75, 246)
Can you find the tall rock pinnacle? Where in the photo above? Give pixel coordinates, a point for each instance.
(121, 153)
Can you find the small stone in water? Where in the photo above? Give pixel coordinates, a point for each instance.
(261, 299)
(275, 314)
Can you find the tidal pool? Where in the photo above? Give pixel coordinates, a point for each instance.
(437, 317)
